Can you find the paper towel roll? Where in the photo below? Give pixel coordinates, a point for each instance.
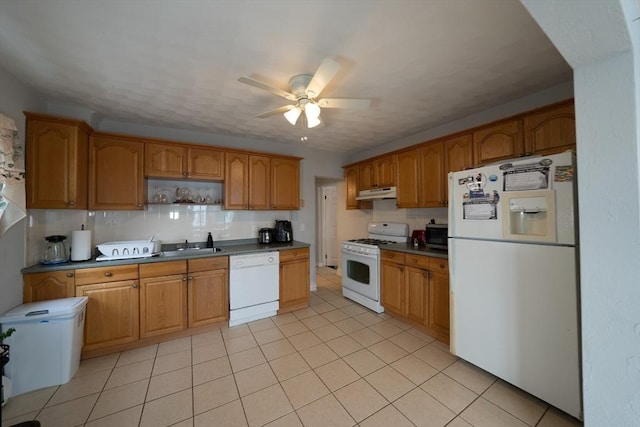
(80, 245)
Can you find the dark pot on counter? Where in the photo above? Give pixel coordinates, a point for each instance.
(265, 235)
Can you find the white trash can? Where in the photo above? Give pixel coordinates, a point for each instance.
(45, 348)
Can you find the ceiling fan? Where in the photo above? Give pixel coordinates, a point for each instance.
(305, 90)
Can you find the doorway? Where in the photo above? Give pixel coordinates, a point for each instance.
(327, 225)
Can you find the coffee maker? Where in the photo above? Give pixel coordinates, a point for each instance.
(283, 231)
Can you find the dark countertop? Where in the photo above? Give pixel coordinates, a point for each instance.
(420, 250)
(228, 249)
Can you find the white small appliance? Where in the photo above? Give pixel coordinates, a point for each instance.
(361, 262)
(513, 274)
(254, 287)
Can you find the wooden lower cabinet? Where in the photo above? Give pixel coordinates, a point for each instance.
(112, 313)
(294, 279)
(416, 288)
(163, 298)
(208, 291)
(49, 285)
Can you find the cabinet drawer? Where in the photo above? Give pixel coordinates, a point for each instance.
(88, 276)
(417, 261)
(163, 268)
(290, 254)
(439, 265)
(397, 257)
(206, 264)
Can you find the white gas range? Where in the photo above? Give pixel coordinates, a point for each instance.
(361, 262)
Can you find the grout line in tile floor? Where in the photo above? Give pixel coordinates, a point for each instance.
(340, 365)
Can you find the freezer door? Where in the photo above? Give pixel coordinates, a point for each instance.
(514, 313)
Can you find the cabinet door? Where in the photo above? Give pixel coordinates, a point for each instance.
(502, 140)
(352, 189)
(366, 176)
(259, 182)
(392, 287)
(285, 183)
(56, 165)
(433, 182)
(163, 305)
(208, 297)
(385, 172)
(409, 182)
(417, 290)
(116, 173)
(236, 181)
(294, 284)
(205, 164)
(438, 321)
(112, 313)
(49, 285)
(458, 154)
(551, 130)
(164, 161)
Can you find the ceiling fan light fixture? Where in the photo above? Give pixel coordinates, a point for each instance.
(292, 115)
(312, 110)
(312, 122)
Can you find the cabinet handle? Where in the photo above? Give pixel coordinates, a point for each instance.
(184, 174)
(134, 286)
(72, 203)
(108, 274)
(184, 278)
(139, 205)
(190, 278)
(441, 265)
(69, 274)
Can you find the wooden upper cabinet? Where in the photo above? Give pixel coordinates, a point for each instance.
(259, 182)
(502, 140)
(385, 171)
(377, 173)
(178, 161)
(236, 181)
(285, 183)
(409, 184)
(205, 164)
(550, 130)
(164, 161)
(352, 189)
(458, 153)
(116, 172)
(366, 176)
(433, 183)
(56, 162)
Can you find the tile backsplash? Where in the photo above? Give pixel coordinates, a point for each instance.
(386, 210)
(171, 223)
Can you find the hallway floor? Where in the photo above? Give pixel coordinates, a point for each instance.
(332, 364)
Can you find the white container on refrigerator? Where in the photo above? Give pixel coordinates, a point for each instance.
(45, 348)
(514, 287)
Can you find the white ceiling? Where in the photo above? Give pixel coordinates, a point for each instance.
(176, 63)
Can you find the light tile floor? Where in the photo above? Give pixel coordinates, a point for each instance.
(332, 364)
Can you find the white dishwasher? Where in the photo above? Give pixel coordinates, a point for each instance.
(254, 290)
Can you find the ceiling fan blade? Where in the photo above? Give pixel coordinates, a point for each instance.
(269, 88)
(325, 72)
(279, 110)
(353, 104)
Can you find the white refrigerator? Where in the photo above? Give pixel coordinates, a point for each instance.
(513, 273)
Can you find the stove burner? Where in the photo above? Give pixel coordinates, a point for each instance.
(374, 242)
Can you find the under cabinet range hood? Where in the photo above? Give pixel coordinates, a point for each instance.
(378, 193)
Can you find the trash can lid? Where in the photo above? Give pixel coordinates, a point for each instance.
(45, 309)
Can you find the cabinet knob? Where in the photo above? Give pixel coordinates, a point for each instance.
(69, 274)
(139, 205)
(190, 277)
(134, 286)
(108, 274)
(441, 265)
(184, 278)
(72, 203)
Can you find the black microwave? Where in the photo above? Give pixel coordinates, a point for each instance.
(437, 236)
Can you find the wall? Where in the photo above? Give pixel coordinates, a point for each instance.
(14, 98)
(601, 41)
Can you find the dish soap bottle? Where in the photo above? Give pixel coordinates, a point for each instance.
(209, 241)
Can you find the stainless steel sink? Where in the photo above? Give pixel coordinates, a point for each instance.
(190, 251)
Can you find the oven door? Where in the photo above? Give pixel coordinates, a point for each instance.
(360, 274)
